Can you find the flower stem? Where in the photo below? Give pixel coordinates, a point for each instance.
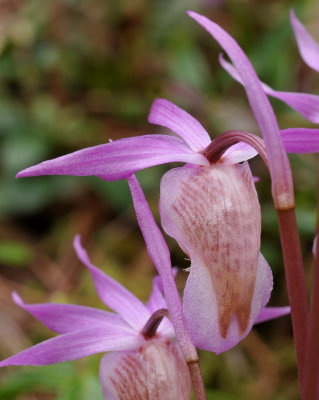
(296, 285)
(197, 380)
(311, 387)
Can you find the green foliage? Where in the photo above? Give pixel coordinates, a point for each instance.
(75, 73)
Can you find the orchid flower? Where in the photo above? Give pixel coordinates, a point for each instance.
(206, 306)
(304, 103)
(234, 185)
(210, 208)
(142, 361)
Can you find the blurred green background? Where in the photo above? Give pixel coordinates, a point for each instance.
(75, 73)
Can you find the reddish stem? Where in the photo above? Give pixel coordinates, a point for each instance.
(311, 385)
(296, 285)
(197, 380)
(219, 145)
(153, 323)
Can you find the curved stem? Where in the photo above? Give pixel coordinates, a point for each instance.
(218, 146)
(153, 322)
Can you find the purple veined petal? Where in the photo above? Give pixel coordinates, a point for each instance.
(167, 114)
(156, 371)
(214, 214)
(300, 140)
(74, 345)
(304, 103)
(114, 295)
(118, 159)
(269, 313)
(308, 47)
(64, 318)
(282, 184)
(200, 307)
(156, 302)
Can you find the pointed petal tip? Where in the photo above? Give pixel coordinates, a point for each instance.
(292, 14)
(17, 299)
(77, 241)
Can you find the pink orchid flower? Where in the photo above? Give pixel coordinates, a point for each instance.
(205, 323)
(144, 366)
(211, 209)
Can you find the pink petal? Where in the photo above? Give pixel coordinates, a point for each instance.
(114, 295)
(214, 214)
(156, 371)
(156, 299)
(167, 114)
(71, 346)
(200, 308)
(156, 302)
(300, 140)
(314, 246)
(238, 153)
(306, 104)
(159, 254)
(269, 313)
(282, 185)
(118, 159)
(308, 47)
(64, 318)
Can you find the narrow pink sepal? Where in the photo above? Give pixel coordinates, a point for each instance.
(282, 185)
(74, 345)
(118, 159)
(269, 313)
(113, 294)
(64, 318)
(314, 246)
(304, 103)
(156, 299)
(154, 240)
(200, 308)
(308, 47)
(300, 140)
(159, 254)
(167, 114)
(155, 302)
